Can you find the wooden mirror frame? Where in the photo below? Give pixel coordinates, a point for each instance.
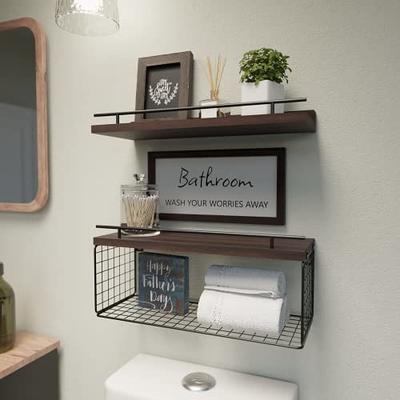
(42, 194)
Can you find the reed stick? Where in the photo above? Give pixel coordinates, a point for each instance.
(215, 76)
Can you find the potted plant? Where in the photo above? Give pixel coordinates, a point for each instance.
(262, 72)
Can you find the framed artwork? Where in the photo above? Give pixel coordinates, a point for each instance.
(164, 282)
(240, 186)
(164, 81)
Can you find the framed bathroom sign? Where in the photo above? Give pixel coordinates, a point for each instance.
(234, 186)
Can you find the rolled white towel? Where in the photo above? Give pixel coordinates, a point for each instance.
(240, 312)
(270, 283)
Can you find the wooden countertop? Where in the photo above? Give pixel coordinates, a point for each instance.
(28, 348)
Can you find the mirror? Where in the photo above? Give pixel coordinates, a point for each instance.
(23, 117)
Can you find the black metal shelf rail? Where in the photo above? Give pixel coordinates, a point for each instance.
(132, 230)
(118, 114)
(116, 298)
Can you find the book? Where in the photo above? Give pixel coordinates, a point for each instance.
(164, 282)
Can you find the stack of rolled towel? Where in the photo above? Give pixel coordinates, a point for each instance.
(240, 298)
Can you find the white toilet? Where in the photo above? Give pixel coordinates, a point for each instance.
(147, 377)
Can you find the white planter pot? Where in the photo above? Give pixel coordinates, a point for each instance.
(264, 91)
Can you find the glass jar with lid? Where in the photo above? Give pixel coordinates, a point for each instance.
(139, 204)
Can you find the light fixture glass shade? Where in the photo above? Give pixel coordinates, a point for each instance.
(88, 17)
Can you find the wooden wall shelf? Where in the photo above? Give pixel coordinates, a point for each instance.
(295, 122)
(115, 275)
(296, 249)
(115, 270)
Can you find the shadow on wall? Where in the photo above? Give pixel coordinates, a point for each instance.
(37, 381)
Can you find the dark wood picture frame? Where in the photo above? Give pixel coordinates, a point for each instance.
(145, 64)
(279, 153)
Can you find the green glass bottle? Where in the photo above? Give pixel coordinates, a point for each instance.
(7, 314)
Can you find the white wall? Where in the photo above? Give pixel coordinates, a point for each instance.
(343, 186)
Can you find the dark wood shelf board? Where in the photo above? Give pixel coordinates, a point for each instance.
(288, 122)
(211, 243)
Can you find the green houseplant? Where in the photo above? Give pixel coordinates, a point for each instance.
(262, 73)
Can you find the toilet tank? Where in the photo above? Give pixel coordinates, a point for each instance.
(147, 377)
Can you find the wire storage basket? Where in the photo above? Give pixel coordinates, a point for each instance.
(116, 297)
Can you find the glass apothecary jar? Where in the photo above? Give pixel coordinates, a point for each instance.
(139, 204)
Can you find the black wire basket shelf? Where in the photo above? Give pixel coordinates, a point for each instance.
(130, 311)
(116, 298)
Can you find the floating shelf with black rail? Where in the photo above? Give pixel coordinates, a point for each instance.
(115, 278)
(294, 122)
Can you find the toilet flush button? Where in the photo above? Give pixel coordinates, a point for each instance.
(198, 382)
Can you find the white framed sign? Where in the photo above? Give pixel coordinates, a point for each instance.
(244, 186)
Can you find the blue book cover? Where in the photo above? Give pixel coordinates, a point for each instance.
(164, 282)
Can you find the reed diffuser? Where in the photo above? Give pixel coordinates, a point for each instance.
(139, 204)
(214, 76)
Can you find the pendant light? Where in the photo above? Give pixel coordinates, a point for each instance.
(88, 17)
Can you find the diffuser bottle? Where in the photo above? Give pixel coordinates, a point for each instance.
(7, 314)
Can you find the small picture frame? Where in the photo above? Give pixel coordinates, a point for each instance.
(164, 81)
(164, 282)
